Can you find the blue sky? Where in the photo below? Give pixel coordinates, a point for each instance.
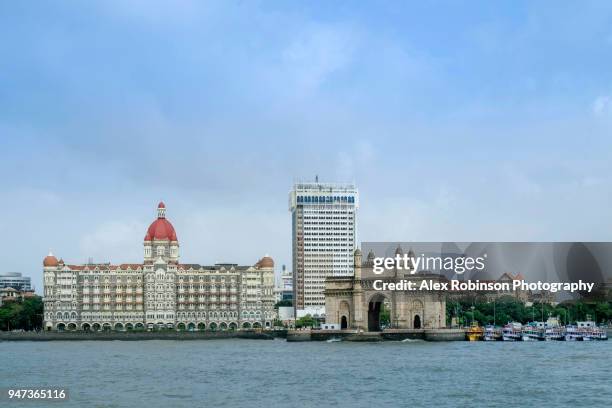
(459, 121)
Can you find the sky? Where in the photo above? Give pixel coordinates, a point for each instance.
(458, 121)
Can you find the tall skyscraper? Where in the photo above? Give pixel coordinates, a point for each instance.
(324, 238)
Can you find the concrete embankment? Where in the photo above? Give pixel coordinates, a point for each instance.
(133, 336)
(386, 335)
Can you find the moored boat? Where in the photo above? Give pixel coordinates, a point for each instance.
(512, 332)
(492, 333)
(534, 331)
(475, 332)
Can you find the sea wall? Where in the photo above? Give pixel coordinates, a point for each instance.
(386, 335)
(132, 336)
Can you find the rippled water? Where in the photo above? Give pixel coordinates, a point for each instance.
(256, 373)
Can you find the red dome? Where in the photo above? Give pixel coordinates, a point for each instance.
(161, 229)
(50, 260)
(266, 262)
(161, 205)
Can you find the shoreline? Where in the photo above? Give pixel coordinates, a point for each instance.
(134, 336)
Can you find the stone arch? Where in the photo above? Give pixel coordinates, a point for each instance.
(344, 311)
(223, 326)
(139, 326)
(72, 327)
(118, 327)
(416, 323)
(60, 327)
(257, 325)
(106, 327)
(129, 327)
(376, 305)
(201, 327)
(191, 326)
(246, 325)
(181, 326)
(96, 327)
(233, 326)
(213, 326)
(86, 327)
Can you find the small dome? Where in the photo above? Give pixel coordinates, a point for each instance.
(161, 205)
(357, 251)
(266, 262)
(50, 260)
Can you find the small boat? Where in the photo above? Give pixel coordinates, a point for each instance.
(590, 331)
(534, 331)
(512, 332)
(475, 332)
(572, 333)
(492, 333)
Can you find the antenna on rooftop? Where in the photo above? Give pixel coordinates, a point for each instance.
(316, 178)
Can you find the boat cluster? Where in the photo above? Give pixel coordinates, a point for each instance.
(539, 331)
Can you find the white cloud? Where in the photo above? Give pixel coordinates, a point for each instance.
(602, 105)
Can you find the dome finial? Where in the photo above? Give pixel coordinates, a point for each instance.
(161, 210)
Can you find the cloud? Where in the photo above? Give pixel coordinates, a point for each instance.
(602, 106)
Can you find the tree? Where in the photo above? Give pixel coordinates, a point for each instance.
(306, 321)
(22, 314)
(282, 303)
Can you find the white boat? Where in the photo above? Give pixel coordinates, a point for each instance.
(572, 333)
(512, 332)
(534, 331)
(491, 333)
(590, 331)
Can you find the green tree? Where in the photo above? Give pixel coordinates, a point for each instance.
(306, 321)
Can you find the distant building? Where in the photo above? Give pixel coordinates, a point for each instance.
(284, 290)
(158, 293)
(16, 281)
(10, 295)
(324, 239)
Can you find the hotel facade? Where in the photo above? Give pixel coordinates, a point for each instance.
(159, 293)
(324, 217)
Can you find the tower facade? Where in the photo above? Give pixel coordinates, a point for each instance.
(324, 218)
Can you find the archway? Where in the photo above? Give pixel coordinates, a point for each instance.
(96, 327)
(72, 327)
(106, 327)
(417, 322)
(86, 327)
(212, 326)
(246, 325)
(129, 327)
(257, 325)
(343, 323)
(201, 327)
(191, 327)
(233, 326)
(61, 327)
(118, 327)
(181, 326)
(139, 326)
(379, 312)
(223, 326)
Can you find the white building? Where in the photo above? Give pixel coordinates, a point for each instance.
(159, 293)
(324, 239)
(16, 281)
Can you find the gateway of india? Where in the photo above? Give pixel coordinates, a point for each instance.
(352, 302)
(158, 293)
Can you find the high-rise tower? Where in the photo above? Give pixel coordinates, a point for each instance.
(324, 239)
